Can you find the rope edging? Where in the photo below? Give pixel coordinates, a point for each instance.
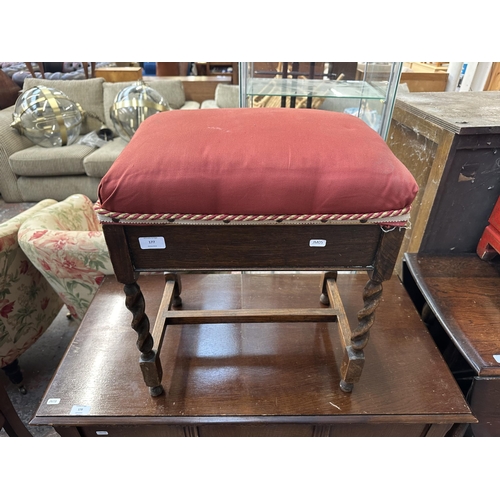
(172, 217)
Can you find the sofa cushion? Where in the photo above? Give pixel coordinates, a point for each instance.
(256, 161)
(191, 105)
(37, 161)
(227, 96)
(87, 93)
(39, 188)
(97, 163)
(209, 104)
(171, 90)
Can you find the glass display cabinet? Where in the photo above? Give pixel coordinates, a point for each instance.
(363, 89)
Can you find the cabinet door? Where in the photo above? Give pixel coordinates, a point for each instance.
(485, 405)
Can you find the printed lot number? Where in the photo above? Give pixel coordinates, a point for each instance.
(152, 242)
(317, 243)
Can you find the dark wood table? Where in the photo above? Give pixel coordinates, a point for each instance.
(253, 379)
(460, 301)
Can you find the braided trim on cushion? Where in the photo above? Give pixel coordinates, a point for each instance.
(104, 214)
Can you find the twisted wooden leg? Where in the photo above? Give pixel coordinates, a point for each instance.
(149, 361)
(372, 294)
(353, 342)
(354, 358)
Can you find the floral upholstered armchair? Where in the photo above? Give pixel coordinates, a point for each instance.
(66, 244)
(28, 304)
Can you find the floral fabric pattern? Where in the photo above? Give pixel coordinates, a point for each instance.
(66, 244)
(28, 304)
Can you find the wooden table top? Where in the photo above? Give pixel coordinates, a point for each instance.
(253, 372)
(458, 112)
(463, 292)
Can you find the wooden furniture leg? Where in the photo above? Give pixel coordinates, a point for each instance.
(149, 344)
(353, 342)
(295, 69)
(149, 362)
(32, 71)
(489, 244)
(134, 301)
(9, 418)
(13, 371)
(284, 75)
(86, 69)
(312, 74)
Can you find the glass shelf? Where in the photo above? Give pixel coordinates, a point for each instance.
(368, 91)
(325, 89)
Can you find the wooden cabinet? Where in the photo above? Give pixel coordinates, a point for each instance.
(493, 81)
(424, 82)
(227, 69)
(450, 141)
(428, 67)
(119, 74)
(458, 296)
(253, 379)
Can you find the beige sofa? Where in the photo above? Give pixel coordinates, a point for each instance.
(30, 173)
(226, 96)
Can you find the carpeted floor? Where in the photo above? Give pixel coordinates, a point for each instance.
(41, 360)
(9, 210)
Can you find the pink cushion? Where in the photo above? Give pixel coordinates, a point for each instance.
(256, 161)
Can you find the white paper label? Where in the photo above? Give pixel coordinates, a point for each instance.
(152, 242)
(317, 243)
(53, 401)
(80, 410)
(496, 357)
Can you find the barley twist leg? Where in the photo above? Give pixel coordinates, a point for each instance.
(372, 295)
(134, 301)
(353, 364)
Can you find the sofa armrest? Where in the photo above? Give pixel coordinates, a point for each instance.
(10, 228)
(67, 254)
(10, 142)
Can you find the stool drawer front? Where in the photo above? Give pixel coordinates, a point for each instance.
(247, 247)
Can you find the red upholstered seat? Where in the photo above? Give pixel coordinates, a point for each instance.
(256, 161)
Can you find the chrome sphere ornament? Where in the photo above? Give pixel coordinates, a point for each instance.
(48, 117)
(132, 105)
